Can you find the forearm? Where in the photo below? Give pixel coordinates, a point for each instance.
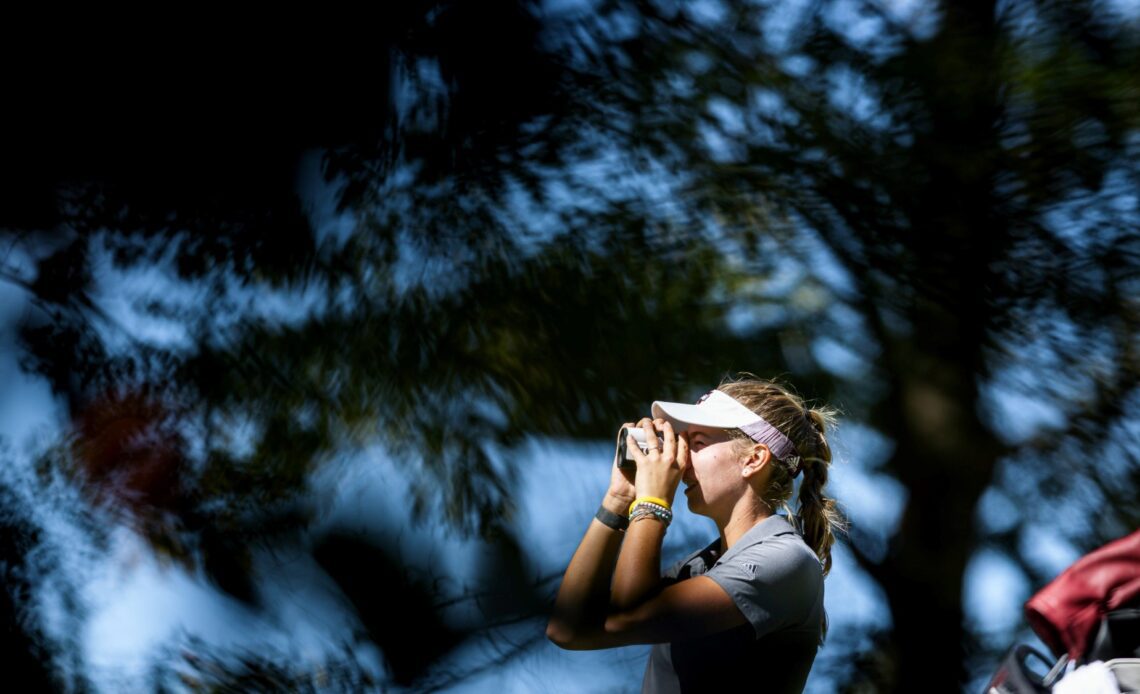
(638, 574)
(583, 600)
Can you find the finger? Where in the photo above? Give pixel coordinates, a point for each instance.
(650, 434)
(627, 425)
(633, 449)
(683, 460)
(670, 441)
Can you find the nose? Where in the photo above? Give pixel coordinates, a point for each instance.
(685, 460)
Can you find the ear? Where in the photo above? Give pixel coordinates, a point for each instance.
(756, 460)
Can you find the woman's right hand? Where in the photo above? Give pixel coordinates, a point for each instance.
(621, 491)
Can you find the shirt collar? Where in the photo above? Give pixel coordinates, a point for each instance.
(771, 526)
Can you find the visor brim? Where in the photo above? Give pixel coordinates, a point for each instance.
(682, 416)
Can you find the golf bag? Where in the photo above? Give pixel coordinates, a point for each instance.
(1089, 615)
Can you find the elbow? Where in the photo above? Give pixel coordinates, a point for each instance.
(559, 635)
(569, 638)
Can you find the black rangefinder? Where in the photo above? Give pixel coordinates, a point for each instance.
(622, 457)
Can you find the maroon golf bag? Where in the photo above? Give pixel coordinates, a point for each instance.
(1090, 613)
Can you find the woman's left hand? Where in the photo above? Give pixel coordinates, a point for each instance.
(658, 471)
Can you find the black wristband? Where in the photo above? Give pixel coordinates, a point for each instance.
(611, 519)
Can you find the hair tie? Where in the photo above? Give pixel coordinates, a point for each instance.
(807, 416)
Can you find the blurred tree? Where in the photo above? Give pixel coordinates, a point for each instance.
(559, 211)
(446, 325)
(35, 580)
(28, 654)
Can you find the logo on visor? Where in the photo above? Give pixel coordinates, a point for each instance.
(704, 397)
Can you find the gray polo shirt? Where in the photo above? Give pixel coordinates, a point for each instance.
(777, 582)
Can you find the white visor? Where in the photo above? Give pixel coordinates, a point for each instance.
(720, 410)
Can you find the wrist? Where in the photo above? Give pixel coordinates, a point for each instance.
(650, 491)
(617, 503)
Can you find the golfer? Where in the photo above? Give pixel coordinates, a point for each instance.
(746, 612)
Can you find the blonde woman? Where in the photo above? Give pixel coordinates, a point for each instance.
(745, 611)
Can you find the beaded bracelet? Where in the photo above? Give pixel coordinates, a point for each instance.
(650, 513)
(650, 499)
(646, 508)
(655, 507)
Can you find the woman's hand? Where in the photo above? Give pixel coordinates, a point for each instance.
(622, 491)
(659, 471)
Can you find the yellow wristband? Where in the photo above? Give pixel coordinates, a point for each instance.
(651, 499)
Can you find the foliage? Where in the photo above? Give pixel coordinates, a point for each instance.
(557, 212)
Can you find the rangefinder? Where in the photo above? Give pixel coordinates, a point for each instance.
(622, 457)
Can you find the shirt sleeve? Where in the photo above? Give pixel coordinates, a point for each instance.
(775, 584)
(669, 576)
(673, 570)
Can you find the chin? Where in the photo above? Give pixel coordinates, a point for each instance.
(694, 502)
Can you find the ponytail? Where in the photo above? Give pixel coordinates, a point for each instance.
(819, 517)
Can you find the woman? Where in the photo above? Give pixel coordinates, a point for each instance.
(747, 610)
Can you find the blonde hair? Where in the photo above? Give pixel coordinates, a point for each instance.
(818, 519)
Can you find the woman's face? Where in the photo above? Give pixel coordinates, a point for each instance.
(713, 476)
